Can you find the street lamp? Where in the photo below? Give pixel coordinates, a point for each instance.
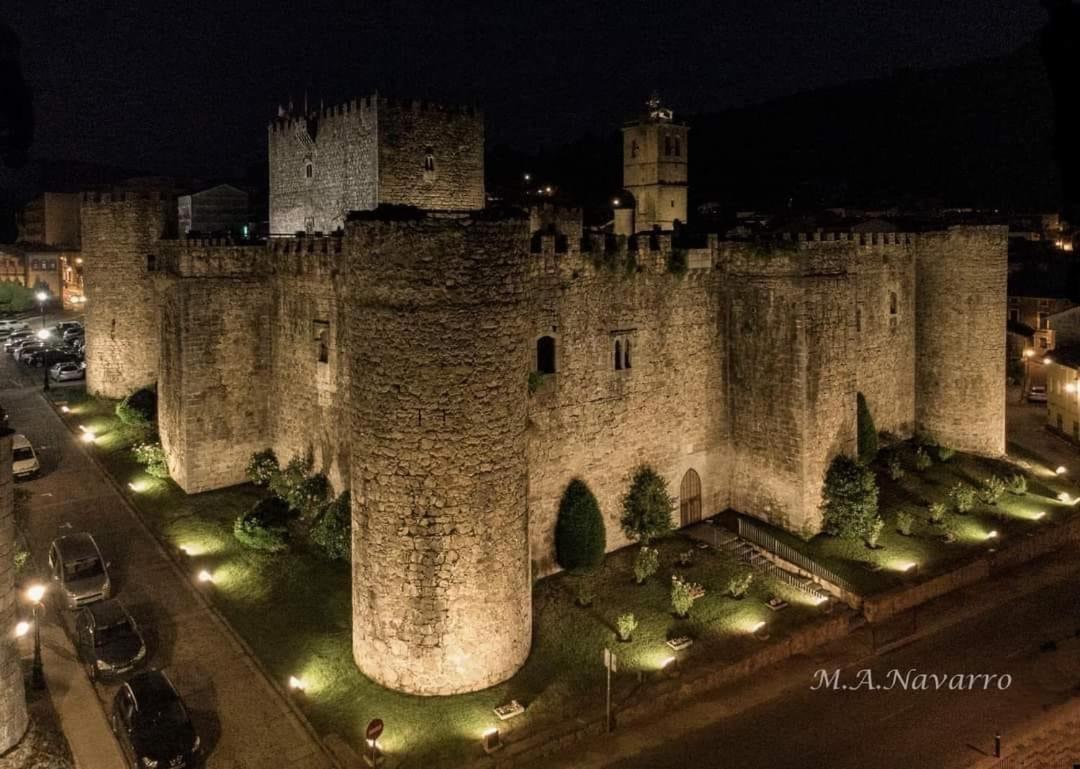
(37, 676)
(42, 297)
(44, 335)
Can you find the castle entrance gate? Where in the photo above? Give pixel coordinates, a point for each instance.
(690, 498)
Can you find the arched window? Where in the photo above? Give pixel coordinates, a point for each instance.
(324, 347)
(690, 498)
(309, 170)
(618, 355)
(892, 303)
(429, 160)
(545, 355)
(626, 354)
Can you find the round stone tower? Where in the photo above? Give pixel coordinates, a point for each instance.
(12, 694)
(442, 598)
(960, 338)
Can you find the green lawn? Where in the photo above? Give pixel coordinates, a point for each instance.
(294, 611)
(1013, 516)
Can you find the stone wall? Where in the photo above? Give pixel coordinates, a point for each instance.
(118, 236)
(442, 592)
(453, 137)
(215, 364)
(592, 421)
(13, 719)
(960, 339)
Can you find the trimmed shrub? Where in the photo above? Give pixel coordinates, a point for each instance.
(739, 584)
(647, 507)
(993, 489)
(895, 466)
(152, 456)
(289, 477)
(265, 526)
(873, 531)
(646, 564)
(580, 538)
(963, 497)
(1018, 484)
(262, 467)
(851, 498)
(22, 560)
(626, 625)
(309, 495)
(332, 530)
(922, 459)
(683, 595)
(138, 410)
(938, 511)
(867, 432)
(950, 527)
(944, 453)
(905, 522)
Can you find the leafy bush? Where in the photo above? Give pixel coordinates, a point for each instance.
(22, 560)
(138, 410)
(922, 459)
(851, 498)
(938, 511)
(626, 624)
(152, 456)
(739, 584)
(309, 495)
(265, 526)
(535, 380)
(683, 595)
(963, 497)
(580, 538)
(262, 467)
(944, 453)
(993, 489)
(686, 558)
(873, 531)
(895, 466)
(1018, 484)
(332, 530)
(646, 563)
(283, 482)
(905, 522)
(647, 507)
(15, 297)
(950, 527)
(867, 432)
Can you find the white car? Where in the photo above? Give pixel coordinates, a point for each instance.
(24, 460)
(10, 326)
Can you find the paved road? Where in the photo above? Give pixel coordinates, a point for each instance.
(241, 718)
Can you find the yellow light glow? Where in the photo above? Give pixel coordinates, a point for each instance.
(991, 535)
(1028, 352)
(1048, 360)
(757, 627)
(906, 565)
(490, 731)
(205, 576)
(21, 629)
(88, 437)
(1064, 498)
(1070, 387)
(1039, 515)
(1061, 470)
(666, 661)
(136, 486)
(65, 409)
(35, 593)
(819, 600)
(296, 683)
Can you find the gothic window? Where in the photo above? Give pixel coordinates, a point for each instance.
(429, 160)
(626, 354)
(309, 170)
(892, 303)
(633, 148)
(545, 355)
(322, 340)
(618, 355)
(622, 352)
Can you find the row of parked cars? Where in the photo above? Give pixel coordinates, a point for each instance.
(148, 716)
(62, 351)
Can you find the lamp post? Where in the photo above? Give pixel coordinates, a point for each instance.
(37, 675)
(44, 335)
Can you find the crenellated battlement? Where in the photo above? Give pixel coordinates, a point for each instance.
(208, 258)
(368, 106)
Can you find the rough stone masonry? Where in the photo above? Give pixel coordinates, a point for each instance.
(456, 370)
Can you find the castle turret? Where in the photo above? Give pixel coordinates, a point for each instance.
(119, 235)
(439, 380)
(655, 155)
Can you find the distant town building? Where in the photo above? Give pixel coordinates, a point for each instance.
(38, 266)
(1063, 392)
(216, 210)
(51, 219)
(655, 163)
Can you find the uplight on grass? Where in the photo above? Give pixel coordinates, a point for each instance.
(65, 409)
(904, 566)
(1060, 470)
(664, 663)
(1064, 498)
(21, 628)
(1039, 515)
(819, 600)
(88, 436)
(992, 534)
(297, 684)
(758, 627)
(205, 576)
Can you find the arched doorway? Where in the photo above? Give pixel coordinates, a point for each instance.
(690, 498)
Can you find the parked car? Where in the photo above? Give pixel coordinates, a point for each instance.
(108, 640)
(10, 326)
(73, 333)
(64, 325)
(1037, 394)
(152, 725)
(77, 569)
(67, 371)
(27, 347)
(24, 462)
(18, 338)
(48, 356)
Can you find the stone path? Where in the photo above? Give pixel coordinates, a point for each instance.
(243, 720)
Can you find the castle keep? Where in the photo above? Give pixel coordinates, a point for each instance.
(457, 370)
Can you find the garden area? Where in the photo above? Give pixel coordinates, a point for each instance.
(285, 589)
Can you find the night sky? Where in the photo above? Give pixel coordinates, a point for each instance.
(188, 87)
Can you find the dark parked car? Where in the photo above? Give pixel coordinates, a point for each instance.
(29, 346)
(109, 641)
(152, 724)
(64, 326)
(17, 339)
(74, 333)
(48, 357)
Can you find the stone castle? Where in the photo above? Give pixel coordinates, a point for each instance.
(456, 368)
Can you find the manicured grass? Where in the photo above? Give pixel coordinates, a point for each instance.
(1013, 516)
(294, 611)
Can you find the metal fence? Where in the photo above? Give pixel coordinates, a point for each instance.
(764, 539)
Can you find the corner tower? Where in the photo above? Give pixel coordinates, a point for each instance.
(655, 152)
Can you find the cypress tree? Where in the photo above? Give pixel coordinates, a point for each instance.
(580, 538)
(867, 432)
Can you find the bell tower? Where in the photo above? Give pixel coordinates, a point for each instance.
(655, 152)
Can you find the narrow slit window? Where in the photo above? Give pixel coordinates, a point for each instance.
(618, 355)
